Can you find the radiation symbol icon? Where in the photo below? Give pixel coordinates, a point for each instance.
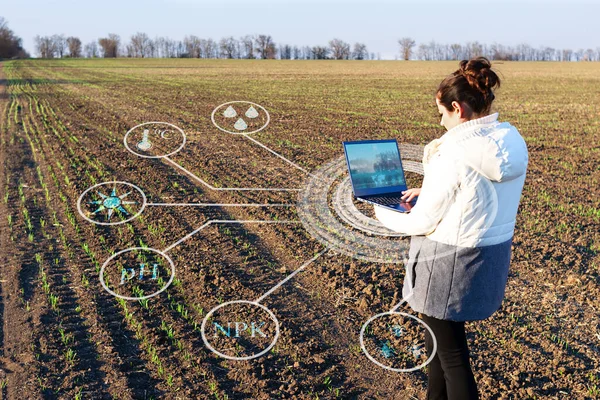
(240, 117)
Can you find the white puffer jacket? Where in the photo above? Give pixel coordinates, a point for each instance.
(474, 176)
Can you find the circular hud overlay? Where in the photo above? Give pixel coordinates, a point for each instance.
(154, 139)
(329, 213)
(240, 117)
(137, 273)
(240, 330)
(111, 203)
(396, 341)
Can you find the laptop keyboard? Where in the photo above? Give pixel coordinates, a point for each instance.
(386, 199)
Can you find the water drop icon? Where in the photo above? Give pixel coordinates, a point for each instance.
(240, 125)
(230, 112)
(252, 113)
(397, 330)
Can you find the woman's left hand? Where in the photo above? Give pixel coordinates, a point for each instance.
(409, 194)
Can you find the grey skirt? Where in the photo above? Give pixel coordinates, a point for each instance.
(456, 283)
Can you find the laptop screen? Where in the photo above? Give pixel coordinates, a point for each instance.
(375, 167)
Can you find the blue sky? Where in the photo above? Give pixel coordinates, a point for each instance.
(378, 24)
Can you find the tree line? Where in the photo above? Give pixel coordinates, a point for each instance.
(495, 51)
(140, 45)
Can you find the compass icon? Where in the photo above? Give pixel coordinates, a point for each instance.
(111, 203)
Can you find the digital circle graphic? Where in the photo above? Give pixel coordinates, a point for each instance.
(240, 117)
(341, 225)
(142, 270)
(108, 199)
(344, 207)
(327, 211)
(392, 350)
(231, 329)
(154, 140)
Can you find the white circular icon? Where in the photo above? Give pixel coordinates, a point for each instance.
(154, 139)
(392, 313)
(114, 200)
(251, 303)
(137, 272)
(240, 117)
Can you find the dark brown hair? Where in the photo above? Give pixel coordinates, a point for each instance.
(472, 84)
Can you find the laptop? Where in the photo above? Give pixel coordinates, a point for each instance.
(376, 173)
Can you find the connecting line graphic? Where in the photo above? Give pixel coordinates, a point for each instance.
(290, 276)
(225, 221)
(280, 156)
(220, 205)
(404, 300)
(192, 175)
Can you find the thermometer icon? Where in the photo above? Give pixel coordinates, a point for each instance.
(145, 144)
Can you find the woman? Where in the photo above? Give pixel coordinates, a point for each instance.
(463, 223)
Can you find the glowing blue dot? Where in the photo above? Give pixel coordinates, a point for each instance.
(112, 202)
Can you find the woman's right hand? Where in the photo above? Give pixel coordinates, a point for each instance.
(409, 194)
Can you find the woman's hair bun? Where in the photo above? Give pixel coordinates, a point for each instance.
(479, 74)
(472, 84)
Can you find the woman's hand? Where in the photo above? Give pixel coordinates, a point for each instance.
(408, 195)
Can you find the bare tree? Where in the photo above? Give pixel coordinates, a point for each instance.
(110, 45)
(170, 48)
(406, 46)
(319, 52)
(265, 48)
(44, 46)
(476, 49)
(308, 53)
(296, 53)
(424, 52)
(129, 52)
(91, 50)
(74, 45)
(180, 49)
(140, 45)
(437, 50)
(524, 52)
(360, 51)
(340, 50)
(159, 43)
(456, 50)
(247, 47)
(192, 46)
(152, 49)
(60, 45)
(285, 52)
(163, 46)
(228, 47)
(209, 48)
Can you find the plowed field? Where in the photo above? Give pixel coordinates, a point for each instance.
(63, 128)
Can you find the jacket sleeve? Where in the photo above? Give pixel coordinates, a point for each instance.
(437, 194)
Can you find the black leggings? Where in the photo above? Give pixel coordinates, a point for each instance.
(450, 376)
